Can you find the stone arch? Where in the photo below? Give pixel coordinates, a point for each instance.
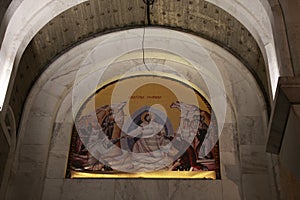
(43, 143)
(255, 15)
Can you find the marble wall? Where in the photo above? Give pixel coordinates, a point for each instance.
(290, 10)
(43, 145)
(4, 151)
(288, 157)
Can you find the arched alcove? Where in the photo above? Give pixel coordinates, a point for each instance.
(254, 15)
(47, 121)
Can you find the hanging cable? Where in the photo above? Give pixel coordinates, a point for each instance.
(148, 3)
(143, 49)
(147, 13)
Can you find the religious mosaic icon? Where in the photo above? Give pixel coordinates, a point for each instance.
(153, 126)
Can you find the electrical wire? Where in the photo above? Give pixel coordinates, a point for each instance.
(147, 14)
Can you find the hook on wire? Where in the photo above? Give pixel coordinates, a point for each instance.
(148, 2)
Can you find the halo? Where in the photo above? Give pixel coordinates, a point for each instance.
(147, 113)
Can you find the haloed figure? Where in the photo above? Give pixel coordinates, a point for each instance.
(152, 135)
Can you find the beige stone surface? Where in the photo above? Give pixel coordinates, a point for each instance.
(189, 189)
(50, 163)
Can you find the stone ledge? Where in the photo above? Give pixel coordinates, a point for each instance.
(287, 95)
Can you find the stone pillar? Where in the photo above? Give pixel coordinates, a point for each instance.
(290, 10)
(284, 135)
(5, 154)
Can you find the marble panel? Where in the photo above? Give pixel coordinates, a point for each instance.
(65, 113)
(231, 172)
(33, 153)
(231, 190)
(136, 189)
(52, 189)
(230, 117)
(229, 68)
(256, 187)
(30, 167)
(195, 189)
(251, 130)
(57, 164)
(53, 88)
(44, 103)
(246, 101)
(60, 140)
(37, 130)
(65, 79)
(227, 138)
(24, 185)
(290, 149)
(289, 185)
(296, 109)
(219, 104)
(91, 189)
(229, 158)
(188, 72)
(253, 159)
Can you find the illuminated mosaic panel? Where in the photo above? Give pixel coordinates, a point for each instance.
(144, 126)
